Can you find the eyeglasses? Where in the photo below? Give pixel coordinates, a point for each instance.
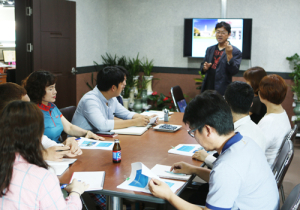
(222, 32)
(192, 132)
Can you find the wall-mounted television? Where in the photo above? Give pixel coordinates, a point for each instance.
(199, 34)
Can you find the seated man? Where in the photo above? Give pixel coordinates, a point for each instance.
(97, 108)
(239, 96)
(52, 151)
(240, 178)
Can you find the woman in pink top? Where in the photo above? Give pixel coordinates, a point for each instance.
(25, 182)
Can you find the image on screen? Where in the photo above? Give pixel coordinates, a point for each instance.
(182, 105)
(204, 34)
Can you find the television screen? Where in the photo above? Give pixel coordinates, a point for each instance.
(200, 34)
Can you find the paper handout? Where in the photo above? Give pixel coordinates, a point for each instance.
(94, 178)
(133, 130)
(160, 114)
(163, 171)
(59, 167)
(85, 143)
(185, 149)
(140, 177)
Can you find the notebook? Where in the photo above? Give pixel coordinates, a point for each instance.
(59, 167)
(94, 178)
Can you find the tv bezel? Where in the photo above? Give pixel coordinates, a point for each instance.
(188, 36)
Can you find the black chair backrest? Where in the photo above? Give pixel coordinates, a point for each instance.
(283, 162)
(68, 112)
(177, 95)
(293, 200)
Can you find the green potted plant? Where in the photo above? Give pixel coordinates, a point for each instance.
(134, 67)
(199, 81)
(295, 60)
(109, 60)
(147, 67)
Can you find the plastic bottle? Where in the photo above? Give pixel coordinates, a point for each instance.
(117, 152)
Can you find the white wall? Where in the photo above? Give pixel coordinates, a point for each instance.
(91, 31)
(155, 29)
(276, 31)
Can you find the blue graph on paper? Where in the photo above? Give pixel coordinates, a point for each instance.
(88, 143)
(169, 184)
(102, 144)
(140, 180)
(186, 148)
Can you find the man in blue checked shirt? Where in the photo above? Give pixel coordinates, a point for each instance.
(240, 178)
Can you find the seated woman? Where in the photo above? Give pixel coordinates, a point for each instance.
(52, 151)
(253, 76)
(40, 86)
(25, 182)
(275, 124)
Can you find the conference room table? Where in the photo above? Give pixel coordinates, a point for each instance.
(150, 148)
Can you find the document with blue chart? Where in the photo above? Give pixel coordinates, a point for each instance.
(85, 143)
(185, 149)
(140, 177)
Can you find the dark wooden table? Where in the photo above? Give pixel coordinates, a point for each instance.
(151, 148)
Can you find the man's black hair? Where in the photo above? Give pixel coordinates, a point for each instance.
(239, 96)
(209, 108)
(225, 25)
(123, 70)
(108, 77)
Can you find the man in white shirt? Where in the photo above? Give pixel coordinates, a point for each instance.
(239, 96)
(52, 151)
(98, 108)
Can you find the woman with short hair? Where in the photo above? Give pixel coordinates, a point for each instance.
(40, 86)
(253, 76)
(25, 182)
(275, 124)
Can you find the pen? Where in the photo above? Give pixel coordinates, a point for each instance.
(78, 138)
(63, 186)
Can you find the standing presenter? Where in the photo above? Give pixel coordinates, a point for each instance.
(221, 61)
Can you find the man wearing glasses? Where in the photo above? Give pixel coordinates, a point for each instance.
(240, 178)
(221, 61)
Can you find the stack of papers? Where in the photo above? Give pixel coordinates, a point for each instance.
(133, 130)
(140, 177)
(94, 178)
(185, 149)
(85, 143)
(163, 171)
(160, 114)
(59, 168)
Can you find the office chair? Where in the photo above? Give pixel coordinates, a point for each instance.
(293, 200)
(294, 133)
(68, 113)
(282, 163)
(177, 96)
